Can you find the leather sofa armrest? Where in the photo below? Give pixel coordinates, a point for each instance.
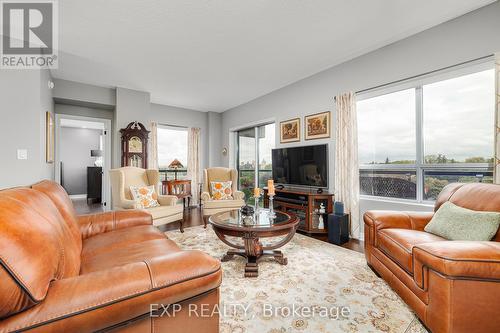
(239, 195)
(101, 299)
(94, 224)
(205, 196)
(167, 200)
(382, 219)
(457, 259)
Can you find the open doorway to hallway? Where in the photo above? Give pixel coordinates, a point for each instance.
(83, 160)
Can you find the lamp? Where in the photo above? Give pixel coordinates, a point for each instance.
(97, 153)
(175, 165)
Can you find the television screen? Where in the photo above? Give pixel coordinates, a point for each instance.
(306, 166)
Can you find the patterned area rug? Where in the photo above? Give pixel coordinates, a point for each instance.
(324, 288)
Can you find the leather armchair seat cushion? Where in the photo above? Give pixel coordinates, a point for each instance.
(136, 252)
(398, 245)
(164, 211)
(110, 241)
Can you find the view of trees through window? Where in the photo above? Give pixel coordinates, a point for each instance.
(255, 146)
(456, 132)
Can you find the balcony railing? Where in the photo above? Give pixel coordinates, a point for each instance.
(169, 174)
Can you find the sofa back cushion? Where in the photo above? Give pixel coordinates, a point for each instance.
(33, 249)
(474, 196)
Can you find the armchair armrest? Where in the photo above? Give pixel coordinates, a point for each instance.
(101, 299)
(238, 195)
(205, 196)
(167, 200)
(128, 204)
(94, 224)
(463, 259)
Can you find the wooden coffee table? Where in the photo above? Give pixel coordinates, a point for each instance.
(231, 224)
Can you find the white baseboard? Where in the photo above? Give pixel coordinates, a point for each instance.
(78, 196)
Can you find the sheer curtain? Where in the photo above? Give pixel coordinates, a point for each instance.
(497, 118)
(193, 167)
(153, 146)
(346, 158)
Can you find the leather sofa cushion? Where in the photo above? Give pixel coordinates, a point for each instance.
(398, 245)
(135, 252)
(31, 250)
(63, 203)
(112, 240)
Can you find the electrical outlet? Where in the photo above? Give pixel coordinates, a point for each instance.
(22, 154)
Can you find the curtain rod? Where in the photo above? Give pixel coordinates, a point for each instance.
(423, 74)
(167, 125)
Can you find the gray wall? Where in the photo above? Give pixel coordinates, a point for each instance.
(215, 139)
(75, 146)
(468, 37)
(24, 99)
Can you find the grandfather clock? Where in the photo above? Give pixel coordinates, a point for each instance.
(135, 145)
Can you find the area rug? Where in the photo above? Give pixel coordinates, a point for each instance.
(324, 288)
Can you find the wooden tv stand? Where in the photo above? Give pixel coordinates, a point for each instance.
(303, 203)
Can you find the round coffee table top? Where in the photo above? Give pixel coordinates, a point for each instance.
(259, 221)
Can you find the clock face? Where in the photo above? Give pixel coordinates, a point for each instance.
(134, 145)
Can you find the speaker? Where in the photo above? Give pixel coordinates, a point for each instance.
(338, 229)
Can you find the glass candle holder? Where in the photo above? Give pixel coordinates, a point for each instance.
(272, 214)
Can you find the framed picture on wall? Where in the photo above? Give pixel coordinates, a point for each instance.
(49, 137)
(317, 126)
(290, 130)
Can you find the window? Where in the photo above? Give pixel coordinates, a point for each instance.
(415, 141)
(255, 145)
(172, 145)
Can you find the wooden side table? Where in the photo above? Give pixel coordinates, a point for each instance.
(181, 188)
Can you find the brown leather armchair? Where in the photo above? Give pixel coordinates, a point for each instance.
(60, 272)
(453, 286)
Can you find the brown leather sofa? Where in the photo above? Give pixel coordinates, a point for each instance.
(453, 286)
(60, 272)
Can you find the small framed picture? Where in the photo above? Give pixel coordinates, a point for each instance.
(290, 130)
(49, 137)
(317, 126)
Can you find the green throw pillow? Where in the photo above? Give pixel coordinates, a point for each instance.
(457, 223)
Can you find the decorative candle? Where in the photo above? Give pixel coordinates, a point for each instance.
(270, 187)
(256, 192)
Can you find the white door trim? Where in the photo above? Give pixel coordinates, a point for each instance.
(106, 166)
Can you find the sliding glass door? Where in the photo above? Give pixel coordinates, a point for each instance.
(254, 157)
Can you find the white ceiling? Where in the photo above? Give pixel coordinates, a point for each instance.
(75, 123)
(212, 55)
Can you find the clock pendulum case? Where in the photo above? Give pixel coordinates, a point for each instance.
(135, 145)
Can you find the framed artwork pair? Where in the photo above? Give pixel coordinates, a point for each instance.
(317, 126)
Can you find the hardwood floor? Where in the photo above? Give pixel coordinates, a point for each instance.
(193, 217)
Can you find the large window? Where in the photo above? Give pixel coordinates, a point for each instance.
(255, 145)
(415, 141)
(172, 148)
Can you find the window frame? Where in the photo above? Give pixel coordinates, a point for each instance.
(420, 167)
(172, 128)
(257, 155)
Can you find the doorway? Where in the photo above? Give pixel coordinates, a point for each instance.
(83, 160)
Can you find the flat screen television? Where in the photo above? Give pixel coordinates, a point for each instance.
(306, 166)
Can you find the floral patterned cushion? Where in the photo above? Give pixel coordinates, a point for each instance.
(145, 196)
(222, 190)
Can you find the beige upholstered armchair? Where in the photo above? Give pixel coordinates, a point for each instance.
(211, 206)
(121, 180)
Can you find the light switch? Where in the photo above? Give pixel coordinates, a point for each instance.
(22, 154)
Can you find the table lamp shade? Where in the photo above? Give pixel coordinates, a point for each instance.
(96, 153)
(175, 164)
